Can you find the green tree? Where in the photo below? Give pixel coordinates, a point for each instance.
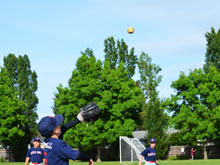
(117, 53)
(155, 120)
(115, 93)
(12, 117)
(212, 57)
(196, 106)
(24, 83)
(149, 78)
(84, 87)
(176, 139)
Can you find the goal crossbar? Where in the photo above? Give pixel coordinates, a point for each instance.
(135, 146)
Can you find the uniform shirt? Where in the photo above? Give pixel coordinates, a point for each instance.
(149, 154)
(36, 155)
(57, 152)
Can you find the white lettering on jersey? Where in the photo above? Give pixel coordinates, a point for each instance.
(36, 152)
(39, 152)
(47, 145)
(33, 152)
(151, 154)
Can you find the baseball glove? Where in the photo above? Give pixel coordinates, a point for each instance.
(88, 113)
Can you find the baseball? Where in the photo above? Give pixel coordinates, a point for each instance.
(130, 30)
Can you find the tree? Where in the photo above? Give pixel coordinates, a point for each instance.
(121, 104)
(176, 139)
(24, 83)
(196, 105)
(84, 87)
(212, 57)
(155, 120)
(149, 78)
(12, 117)
(115, 93)
(116, 54)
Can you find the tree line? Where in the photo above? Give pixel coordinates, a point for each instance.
(126, 104)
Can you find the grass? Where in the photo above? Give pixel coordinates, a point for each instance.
(164, 162)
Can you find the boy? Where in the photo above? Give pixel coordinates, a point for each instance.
(35, 154)
(57, 152)
(149, 154)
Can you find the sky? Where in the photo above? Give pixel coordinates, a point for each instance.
(53, 33)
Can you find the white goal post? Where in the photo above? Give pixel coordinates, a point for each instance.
(130, 149)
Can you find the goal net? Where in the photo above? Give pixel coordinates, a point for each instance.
(130, 149)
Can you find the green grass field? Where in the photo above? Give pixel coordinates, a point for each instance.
(165, 162)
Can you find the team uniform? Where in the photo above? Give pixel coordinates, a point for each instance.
(57, 152)
(149, 155)
(36, 156)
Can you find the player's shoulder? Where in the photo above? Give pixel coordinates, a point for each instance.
(31, 149)
(148, 148)
(52, 140)
(152, 149)
(57, 142)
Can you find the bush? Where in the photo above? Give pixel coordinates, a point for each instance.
(2, 159)
(172, 158)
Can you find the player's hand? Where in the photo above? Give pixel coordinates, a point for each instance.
(157, 162)
(90, 162)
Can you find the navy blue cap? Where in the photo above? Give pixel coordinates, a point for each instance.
(48, 124)
(36, 139)
(153, 140)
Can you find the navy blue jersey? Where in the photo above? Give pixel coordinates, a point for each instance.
(149, 154)
(57, 152)
(36, 155)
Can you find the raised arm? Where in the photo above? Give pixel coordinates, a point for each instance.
(88, 113)
(67, 126)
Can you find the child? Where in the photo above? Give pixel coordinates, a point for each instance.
(149, 154)
(192, 153)
(57, 152)
(35, 154)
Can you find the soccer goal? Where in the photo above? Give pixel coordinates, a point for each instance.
(130, 149)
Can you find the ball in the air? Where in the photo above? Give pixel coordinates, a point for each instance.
(130, 30)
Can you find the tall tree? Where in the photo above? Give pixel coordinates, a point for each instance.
(118, 52)
(212, 57)
(24, 82)
(117, 96)
(196, 106)
(12, 117)
(149, 78)
(84, 87)
(155, 120)
(121, 103)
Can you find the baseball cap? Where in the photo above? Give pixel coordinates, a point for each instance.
(48, 124)
(36, 139)
(153, 140)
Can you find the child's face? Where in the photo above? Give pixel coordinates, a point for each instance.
(152, 145)
(36, 144)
